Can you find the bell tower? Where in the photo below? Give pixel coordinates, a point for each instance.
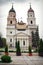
(11, 25)
(11, 16)
(31, 16)
(31, 20)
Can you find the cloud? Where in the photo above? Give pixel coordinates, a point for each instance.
(20, 0)
(17, 1)
(3, 2)
(6, 1)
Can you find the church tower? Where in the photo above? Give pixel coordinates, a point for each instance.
(31, 20)
(11, 24)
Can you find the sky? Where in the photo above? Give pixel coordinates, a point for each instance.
(21, 7)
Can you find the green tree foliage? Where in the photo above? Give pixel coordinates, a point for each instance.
(4, 42)
(1, 43)
(6, 48)
(18, 50)
(30, 50)
(41, 48)
(16, 44)
(35, 38)
(6, 59)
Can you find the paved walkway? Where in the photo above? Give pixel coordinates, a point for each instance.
(26, 60)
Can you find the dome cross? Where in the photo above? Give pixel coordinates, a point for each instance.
(30, 5)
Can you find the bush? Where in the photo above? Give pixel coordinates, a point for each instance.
(6, 59)
(6, 48)
(18, 50)
(30, 51)
(1, 50)
(35, 51)
(24, 51)
(12, 51)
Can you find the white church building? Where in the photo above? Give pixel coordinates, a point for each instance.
(20, 31)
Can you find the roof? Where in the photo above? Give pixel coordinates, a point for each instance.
(21, 26)
(30, 10)
(22, 34)
(21, 23)
(12, 9)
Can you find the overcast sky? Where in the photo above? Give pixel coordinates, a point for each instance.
(21, 7)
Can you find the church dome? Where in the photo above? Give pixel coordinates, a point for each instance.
(12, 9)
(30, 10)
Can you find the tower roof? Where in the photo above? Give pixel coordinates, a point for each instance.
(12, 9)
(30, 10)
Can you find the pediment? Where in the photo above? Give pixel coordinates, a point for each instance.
(21, 34)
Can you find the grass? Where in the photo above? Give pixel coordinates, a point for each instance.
(11, 50)
(2, 48)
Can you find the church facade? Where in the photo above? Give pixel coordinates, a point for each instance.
(20, 31)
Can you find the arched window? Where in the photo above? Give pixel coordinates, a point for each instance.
(23, 42)
(10, 40)
(10, 22)
(10, 45)
(31, 15)
(31, 22)
(11, 32)
(13, 16)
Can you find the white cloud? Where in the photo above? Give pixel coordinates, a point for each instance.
(6, 1)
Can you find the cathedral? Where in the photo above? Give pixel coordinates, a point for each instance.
(20, 31)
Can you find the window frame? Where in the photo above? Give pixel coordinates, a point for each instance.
(31, 22)
(24, 43)
(10, 22)
(11, 40)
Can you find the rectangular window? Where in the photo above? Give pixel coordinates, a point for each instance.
(10, 45)
(23, 42)
(10, 22)
(10, 40)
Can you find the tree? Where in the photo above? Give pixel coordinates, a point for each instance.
(30, 51)
(16, 44)
(18, 50)
(37, 37)
(33, 39)
(6, 50)
(4, 42)
(1, 43)
(41, 48)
